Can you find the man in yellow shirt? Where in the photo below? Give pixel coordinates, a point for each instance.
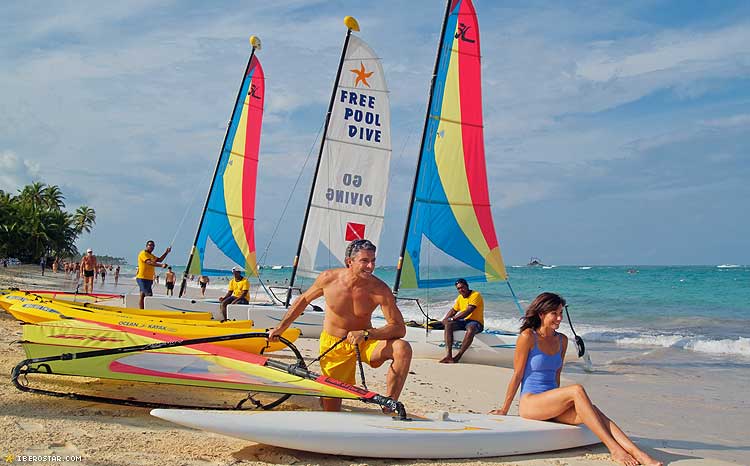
(467, 314)
(146, 263)
(238, 291)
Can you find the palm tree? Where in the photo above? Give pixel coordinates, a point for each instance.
(84, 219)
(33, 194)
(53, 197)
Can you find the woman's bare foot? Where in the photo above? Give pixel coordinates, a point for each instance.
(447, 360)
(646, 460)
(624, 457)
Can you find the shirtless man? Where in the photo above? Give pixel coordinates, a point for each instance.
(203, 281)
(88, 270)
(169, 281)
(351, 296)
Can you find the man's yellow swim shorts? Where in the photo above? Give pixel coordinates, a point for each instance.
(341, 362)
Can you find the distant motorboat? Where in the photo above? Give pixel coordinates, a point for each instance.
(728, 266)
(584, 268)
(535, 262)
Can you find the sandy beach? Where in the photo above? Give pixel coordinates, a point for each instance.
(697, 423)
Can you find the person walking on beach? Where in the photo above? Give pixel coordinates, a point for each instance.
(537, 364)
(351, 295)
(203, 281)
(88, 270)
(117, 274)
(146, 263)
(103, 272)
(467, 314)
(169, 279)
(237, 293)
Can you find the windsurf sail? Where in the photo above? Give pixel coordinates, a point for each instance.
(226, 232)
(450, 232)
(81, 349)
(348, 194)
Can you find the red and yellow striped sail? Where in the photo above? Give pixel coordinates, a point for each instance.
(451, 232)
(229, 219)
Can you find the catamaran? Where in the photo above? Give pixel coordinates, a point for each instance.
(449, 230)
(226, 230)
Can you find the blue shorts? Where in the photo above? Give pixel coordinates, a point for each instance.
(461, 324)
(145, 286)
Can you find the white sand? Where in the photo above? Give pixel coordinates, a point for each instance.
(114, 435)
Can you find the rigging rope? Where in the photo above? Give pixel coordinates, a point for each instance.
(188, 209)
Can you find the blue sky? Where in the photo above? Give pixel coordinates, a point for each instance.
(616, 132)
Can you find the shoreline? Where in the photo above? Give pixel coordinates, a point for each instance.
(664, 415)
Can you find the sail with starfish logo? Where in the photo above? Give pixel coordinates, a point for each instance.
(348, 195)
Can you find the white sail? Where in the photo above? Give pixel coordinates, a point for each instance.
(349, 194)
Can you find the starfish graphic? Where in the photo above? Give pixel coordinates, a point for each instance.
(9, 458)
(362, 75)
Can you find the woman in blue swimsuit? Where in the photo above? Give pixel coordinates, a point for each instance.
(537, 364)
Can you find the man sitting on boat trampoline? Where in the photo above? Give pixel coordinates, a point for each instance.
(352, 294)
(237, 293)
(467, 314)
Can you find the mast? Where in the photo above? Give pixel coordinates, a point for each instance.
(351, 25)
(421, 149)
(255, 44)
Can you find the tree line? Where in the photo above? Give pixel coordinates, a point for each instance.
(34, 224)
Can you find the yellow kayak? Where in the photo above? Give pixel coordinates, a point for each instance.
(76, 334)
(32, 312)
(13, 297)
(46, 310)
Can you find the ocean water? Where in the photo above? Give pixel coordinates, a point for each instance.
(698, 309)
(703, 310)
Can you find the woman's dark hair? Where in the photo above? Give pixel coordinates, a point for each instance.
(542, 304)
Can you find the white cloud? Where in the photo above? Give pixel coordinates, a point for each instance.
(671, 51)
(15, 173)
(733, 121)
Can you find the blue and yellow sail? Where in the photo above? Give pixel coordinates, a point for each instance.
(229, 217)
(450, 223)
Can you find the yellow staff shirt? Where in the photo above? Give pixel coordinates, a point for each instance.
(474, 298)
(238, 288)
(145, 271)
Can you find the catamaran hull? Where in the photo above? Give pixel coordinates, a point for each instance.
(310, 322)
(379, 436)
(177, 304)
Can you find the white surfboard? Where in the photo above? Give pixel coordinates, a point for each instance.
(379, 436)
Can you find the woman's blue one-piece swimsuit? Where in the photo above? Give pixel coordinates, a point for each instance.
(540, 374)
